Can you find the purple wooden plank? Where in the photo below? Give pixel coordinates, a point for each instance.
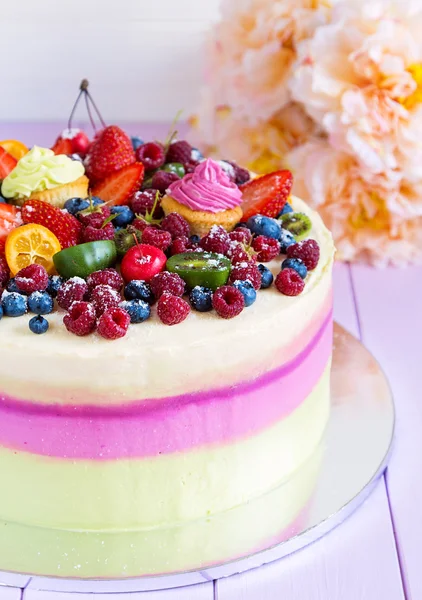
(390, 307)
(8, 593)
(14, 580)
(355, 561)
(193, 592)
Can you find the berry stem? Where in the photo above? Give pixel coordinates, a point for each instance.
(172, 131)
(137, 245)
(69, 123)
(88, 108)
(99, 115)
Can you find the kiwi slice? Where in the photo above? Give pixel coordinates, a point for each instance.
(298, 224)
(200, 268)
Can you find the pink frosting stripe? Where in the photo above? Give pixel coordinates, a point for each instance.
(174, 424)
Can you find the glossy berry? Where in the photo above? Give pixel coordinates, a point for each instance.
(33, 278)
(138, 310)
(139, 224)
(151, 155)
(241, 175)
(143, 202)
(196, 155)
(139, 290)
(307, 251)
(1, 310)
(75, 205)
(108, 277)
(81, 319)
(38, 325)
(142, 262)
(287, 209)
(12, 287)
(267, 277)
(54, 284)
(14, 304)
(190, 166)
(228, 301)
(195, 239)
(167, 282)
(248, 291)
(172, 310)
(94, 234)
(179, 152)
(156, 237)
(217, 240)
(242, 235)
(73, 290)
(261, 225)
(40, 303)
(200, 299)
(289, 282)
(296, 264)
(179, 245)
(176, 225)
(161, 180)
(104, 297)
(136, 141)
(124, 216)
(266, 247)
(246, 272)
(4, 271)
(286, 240)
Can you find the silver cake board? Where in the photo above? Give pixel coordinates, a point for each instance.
(354, 455)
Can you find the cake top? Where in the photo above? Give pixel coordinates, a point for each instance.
(103, 264)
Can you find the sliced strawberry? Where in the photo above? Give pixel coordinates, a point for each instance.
(62, 146)
(10, 217)
(110, 151)
(65, 226)
(7, 163)
(120, 187)
(266, 195)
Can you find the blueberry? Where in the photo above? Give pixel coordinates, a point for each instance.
(14, 304)
(139, 290)
(227, 168)
(54, 284)
(196, 155)
(38, 324)
(248, 291)
(200, 298)
(287, 209)
(124, 216)
(1, 311)
(195, 239)
(297, 264)
(136, 141)
(267, 277)
(260, 225)
(96, 200)
(75, 205)
(139, 311)
(2, 200)
(12, 287)
(40, 303)
(241, 225)
(286, 239)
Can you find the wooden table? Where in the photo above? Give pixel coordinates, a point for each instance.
(376, 553)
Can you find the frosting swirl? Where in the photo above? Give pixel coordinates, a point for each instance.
(207, 189)
(40, 169)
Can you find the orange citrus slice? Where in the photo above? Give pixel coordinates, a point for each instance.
(31, 244)
(15, 148)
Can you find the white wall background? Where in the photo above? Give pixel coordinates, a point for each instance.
(143, 58)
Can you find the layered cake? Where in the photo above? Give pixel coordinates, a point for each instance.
(164, 360)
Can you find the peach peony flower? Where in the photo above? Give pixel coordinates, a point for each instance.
(375, 220)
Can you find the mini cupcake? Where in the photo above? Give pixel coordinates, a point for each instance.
(43, 175)
(205, 198)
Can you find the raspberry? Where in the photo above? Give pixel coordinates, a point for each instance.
(113, 323)
(143, 202)
(156, 237)
(179, 245)
(4, 271)
(237, 254)
(246, 272)
(167, 282)
(176, 225)
(108, 277)
(217, 240)
(242, 235)
(151, 155)
(228, 301)
(161, 180)
(172, 310)
(179, 152)
(33, 278)
(104, 297)
(307, 251)
(81, 319)
(289, 282)
(95, 218)
(267, 248)
(191, 166)
(92, 234)
(241, 175)
(140, 224)
(73, 290)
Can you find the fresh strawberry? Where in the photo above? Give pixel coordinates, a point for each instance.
(62, 146)
(110, 151)
(7, 163)
(120, 187)
(10, 217)
(65, 226)
(266, 195)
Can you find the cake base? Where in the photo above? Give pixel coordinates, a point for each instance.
(331, 486)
